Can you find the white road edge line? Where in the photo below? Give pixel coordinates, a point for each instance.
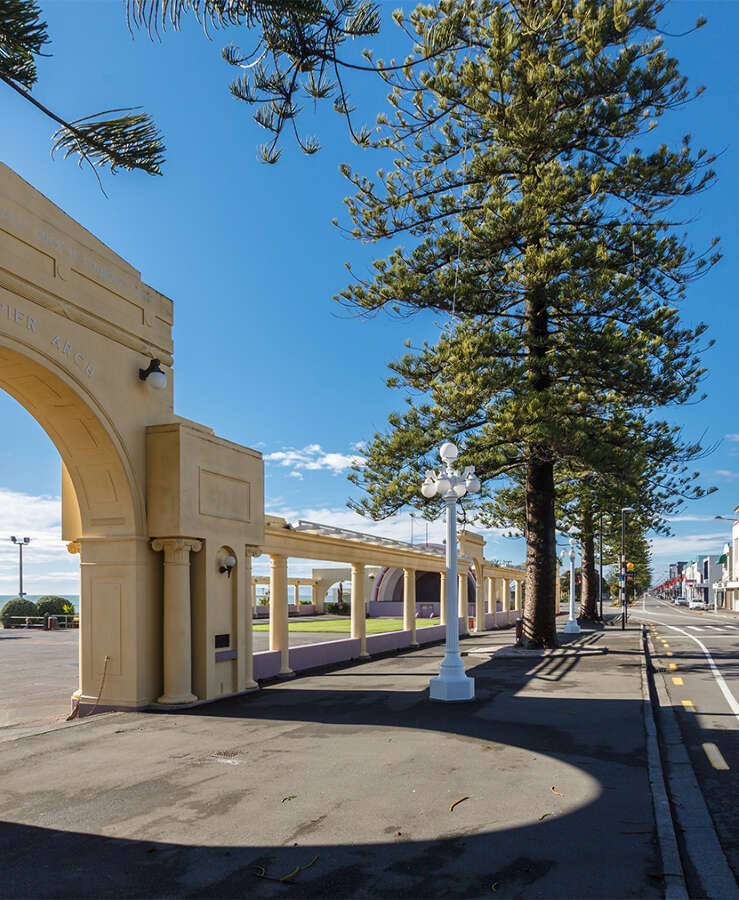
(715, 757)
(733, 705)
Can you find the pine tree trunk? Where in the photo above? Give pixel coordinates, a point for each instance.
(539, 623)
(589, 593)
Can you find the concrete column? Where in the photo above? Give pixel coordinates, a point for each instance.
(517, 593)
(442, 599)
(245, 677)
(358, 611)
(278, 628)
(479, 602)
(297, 596)
(490, 590)
(464, 606)
(177, 629)
(253, 590)
(409, 603)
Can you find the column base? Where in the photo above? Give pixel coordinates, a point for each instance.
(168, 700)
(452, 690)
(571, 627)
(288, 673)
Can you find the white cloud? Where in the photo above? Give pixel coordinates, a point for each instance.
(732, 437)
(691, 518)
(296, 474)
(47, 566)
(688, 545)
(313, 458)
(725, 473)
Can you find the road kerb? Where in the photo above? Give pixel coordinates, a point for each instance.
(675, 887)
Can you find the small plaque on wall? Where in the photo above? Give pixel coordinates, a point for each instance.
(223, 640)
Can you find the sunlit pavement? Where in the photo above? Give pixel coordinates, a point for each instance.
(347, 782)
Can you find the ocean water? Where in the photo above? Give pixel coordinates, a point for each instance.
(74, 599)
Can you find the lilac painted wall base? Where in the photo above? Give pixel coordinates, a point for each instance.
(310, 656)
(379, 609)
(430, 633)
(328, 653)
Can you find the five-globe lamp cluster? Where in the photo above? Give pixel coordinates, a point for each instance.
(449, 481)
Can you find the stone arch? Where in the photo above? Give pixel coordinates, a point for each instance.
(103, 520)
(106, 500)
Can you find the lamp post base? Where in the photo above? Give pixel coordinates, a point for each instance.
(571, 627)
(452, 690)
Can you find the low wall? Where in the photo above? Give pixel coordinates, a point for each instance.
(430, 633)
(302, 609)
(327, 653)
(390, 640)
(266, 664)
(380, 609)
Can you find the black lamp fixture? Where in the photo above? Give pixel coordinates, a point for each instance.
(153, 375)
(228, 563)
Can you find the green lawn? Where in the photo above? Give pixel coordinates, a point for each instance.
(342, 626)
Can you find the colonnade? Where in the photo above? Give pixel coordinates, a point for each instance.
(493, 592)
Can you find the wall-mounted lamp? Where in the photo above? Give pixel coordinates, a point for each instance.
(228, 563)
(153, 375)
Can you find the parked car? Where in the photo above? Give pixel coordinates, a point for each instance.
(681, 601)
(697, 604)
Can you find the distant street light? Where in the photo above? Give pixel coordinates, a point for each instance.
(21, 542)
(452, 682)
(571, 627)
(622, 567)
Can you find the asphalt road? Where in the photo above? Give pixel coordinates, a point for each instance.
(699, 652)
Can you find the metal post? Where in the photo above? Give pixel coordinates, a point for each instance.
(452, 682)
(572, 627)
(600, 572)
(20, 568)
(622, 576)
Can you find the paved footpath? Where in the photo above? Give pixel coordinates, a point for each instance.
(353, 772)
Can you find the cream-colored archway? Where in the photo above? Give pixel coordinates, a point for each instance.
(153, 503)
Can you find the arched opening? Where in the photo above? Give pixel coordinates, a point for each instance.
(102, 520)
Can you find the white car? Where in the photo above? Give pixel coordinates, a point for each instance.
(697, 604)
(681, 601)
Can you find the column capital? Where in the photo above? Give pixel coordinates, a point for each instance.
(74, 547)
(253, 551)
(176, 550)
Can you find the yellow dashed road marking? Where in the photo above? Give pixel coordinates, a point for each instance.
(688, 705)
(669, 653)
(678, 681)
(672, 666)
(714, 757)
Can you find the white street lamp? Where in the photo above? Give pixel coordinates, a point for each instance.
(571, 627)
(452, 682)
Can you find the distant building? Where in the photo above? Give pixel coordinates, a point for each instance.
(676, 569)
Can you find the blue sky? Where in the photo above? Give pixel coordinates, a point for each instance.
(263, 354)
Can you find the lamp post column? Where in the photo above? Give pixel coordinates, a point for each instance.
(572, 627)
(442, 598)
(452, 683)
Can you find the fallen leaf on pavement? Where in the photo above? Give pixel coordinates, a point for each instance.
(289, 797)
(544, 816)
(457, 802)
(555, 791)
